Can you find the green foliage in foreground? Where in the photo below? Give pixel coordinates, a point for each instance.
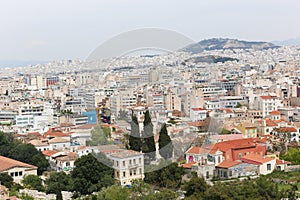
(33, 182)
(260, 188)
(139, 191)
(293, 155)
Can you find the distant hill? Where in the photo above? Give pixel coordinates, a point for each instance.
(220, 43)
(210, 59)
(289, 42)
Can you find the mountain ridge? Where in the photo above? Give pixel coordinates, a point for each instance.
(226, 43)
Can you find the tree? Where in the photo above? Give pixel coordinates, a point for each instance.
(165, 193)
(166, 174)
(67, 113)
(100, 136)
(165, 143)
(195, 187)
(57, 182)
(6, 180)
(293, 155)
(114, 192)
(238, 105)
(148, 143)
(33, 182)
(6, 143)
(29, 154)
(90, 175)
(135, 142)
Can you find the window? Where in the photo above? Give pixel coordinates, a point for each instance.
(12, 174)
(21, 173)
(239, 155)
(124, 174)
(140, 160)
(16, 174)
(130, 173)
(123, 163)
(134, 172)
(129, 162)
(268, 167)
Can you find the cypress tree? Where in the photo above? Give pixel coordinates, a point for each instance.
(148, 146)
(135, 142)
(165, 143)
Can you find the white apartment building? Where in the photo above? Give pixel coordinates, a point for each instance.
(128, 165)
(198, 114)
(267, 104)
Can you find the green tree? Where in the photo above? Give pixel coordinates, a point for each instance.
(6, 143)
(90, 175)
(140, 190)
(135, 142)
(100, 136)
(166, 174)
(57, 182)
(165, 193)
(29, 154)
(6, 180)
(67, 113)
(33, 182)
(165, 143)
(238, 105)
(292, 155)
(114, 192)
(195, 187)
(148, 145)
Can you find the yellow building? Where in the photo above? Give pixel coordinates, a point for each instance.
(249, 130)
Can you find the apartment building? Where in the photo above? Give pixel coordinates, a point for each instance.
(128, 166)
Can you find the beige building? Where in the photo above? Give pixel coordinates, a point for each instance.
(128, 165)
(16, 169)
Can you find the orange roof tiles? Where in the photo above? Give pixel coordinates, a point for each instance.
(188, 165)
(7, 163)
(266, 97)
(286, 129)
(280, 162)
(275, 112)
(228, 164)
(256, 158)
(49, 152)
(198, 109)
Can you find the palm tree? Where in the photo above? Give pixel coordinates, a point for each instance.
(67, 113)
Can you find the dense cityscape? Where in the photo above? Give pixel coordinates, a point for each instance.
(161, 122)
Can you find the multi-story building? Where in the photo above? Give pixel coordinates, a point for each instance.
(128, 166)
(267, 104)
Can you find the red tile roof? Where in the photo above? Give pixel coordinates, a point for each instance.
(256, 159)
(280, 162)
(188, 165)
(49, 152)
(286, 130)
(266, 97)
(228, 164)
(198, 109)
(275, 112)
(7, 163)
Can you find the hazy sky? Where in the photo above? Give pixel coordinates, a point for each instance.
(68, 29)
